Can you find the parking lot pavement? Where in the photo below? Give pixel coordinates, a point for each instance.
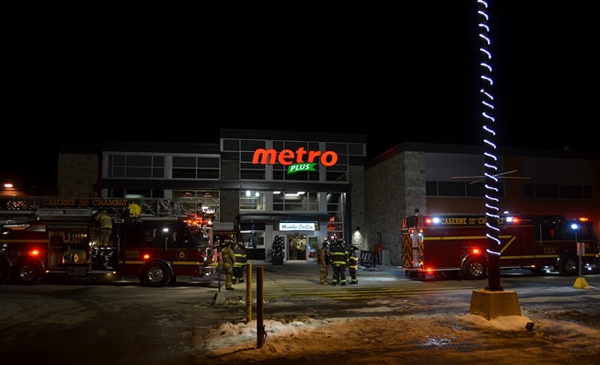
(308, 272)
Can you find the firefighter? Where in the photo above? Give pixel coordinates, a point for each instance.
(353, 264)
(228, 257)
(105, 227)
(240, 263)
(323, 260)
(339, 258)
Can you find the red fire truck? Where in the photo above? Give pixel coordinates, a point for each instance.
(156, 251)
(456, 245)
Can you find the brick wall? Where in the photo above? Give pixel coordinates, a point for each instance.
(77, 175)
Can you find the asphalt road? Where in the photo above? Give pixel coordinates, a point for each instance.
(122, 322)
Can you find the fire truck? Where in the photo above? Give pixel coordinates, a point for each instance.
(155, 250)
(456, 245)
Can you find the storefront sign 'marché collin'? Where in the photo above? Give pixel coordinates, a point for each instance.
(301, 160)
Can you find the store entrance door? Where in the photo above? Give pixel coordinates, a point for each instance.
(296, 247)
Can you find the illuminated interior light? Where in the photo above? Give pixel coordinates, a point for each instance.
(248, 193)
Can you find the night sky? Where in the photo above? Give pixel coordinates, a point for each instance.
(403, 74)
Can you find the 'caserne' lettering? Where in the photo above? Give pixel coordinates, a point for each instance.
(288, 157)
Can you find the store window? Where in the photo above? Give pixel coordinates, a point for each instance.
(196, 167)
(249, 171)
(459, 189)
(335, 209)
(201, 202)
(295, 201)
(252, 200)
(134, 193)
(135, 166)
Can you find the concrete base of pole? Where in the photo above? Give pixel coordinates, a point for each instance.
(492, 304)
(580, 283)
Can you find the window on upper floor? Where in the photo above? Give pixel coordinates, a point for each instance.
(555, 191)
(459, 189)
(136, 166)
(196, 167)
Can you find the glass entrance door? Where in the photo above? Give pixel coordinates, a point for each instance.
(296, 247)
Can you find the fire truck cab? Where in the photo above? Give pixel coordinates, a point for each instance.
(457, 245)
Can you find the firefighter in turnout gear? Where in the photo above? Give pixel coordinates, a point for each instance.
(323, 260)
(105, 227)
(353, 264)
(339, 258)
(241, 261)
(228, 262)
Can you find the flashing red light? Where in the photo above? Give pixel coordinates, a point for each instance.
(428, 220)
(583, 219)
(34, 253)
(146, 256)
(476, 251)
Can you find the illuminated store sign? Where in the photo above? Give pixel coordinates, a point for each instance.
(296, 226)
(298, 161)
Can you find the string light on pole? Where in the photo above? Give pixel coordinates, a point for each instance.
(491, 179)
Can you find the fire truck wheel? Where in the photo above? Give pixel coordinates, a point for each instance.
(474, 268)
(4, 272)
(568, 265)
(155, 274)
(28, 273)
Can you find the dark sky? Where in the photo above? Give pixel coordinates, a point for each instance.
(403, 74)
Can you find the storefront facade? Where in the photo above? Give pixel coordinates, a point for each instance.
(301, 186)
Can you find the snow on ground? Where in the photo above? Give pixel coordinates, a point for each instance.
(301, 336)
